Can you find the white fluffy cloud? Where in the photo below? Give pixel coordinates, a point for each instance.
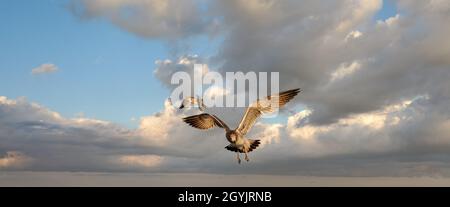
(359, 133)
(45, 68)
(157, 127)
(268, 133)
(344, 70)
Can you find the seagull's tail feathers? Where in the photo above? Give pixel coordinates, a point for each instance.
(254, 143)
(232, 148)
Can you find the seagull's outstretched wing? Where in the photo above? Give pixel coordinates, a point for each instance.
(267, 105)
(205, 121)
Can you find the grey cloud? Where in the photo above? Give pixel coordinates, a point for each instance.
(419, 146)
(56, 143)
(166, 68)
(400, 58)
(163, 19)
(306, 41)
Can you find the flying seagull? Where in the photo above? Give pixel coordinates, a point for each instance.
(236, 137)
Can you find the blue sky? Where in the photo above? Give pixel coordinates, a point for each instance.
(105, 72)
(389, 10)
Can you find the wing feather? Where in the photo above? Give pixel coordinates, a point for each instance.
(267, 105)
(205, 121)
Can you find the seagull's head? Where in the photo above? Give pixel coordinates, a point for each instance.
(232, 136)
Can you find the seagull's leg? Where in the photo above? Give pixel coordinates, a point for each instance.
(246, 157)
(238, 158)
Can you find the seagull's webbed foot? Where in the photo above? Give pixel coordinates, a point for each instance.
(238, 158)
(246, 157)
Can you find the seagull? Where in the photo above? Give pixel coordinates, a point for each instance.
(192, 101)
(238, 142)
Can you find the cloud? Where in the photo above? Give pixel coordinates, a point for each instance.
(373, 89)
(58, 143)
(55, 142)
(166, 68)
(389, 22)
(140, 160)
(45, 68)
(360, 133)
(162, 142)
(395, 59)
(268, 133)
(162, 19)
(14, 159)
(306, 42)
(408, 134)
(360, 12)
(157, 127)
(345, 70)
(355, 34)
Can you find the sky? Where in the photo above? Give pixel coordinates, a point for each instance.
(84, 86)
(94, 69)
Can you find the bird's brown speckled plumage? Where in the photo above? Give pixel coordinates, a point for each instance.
(238, 143)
